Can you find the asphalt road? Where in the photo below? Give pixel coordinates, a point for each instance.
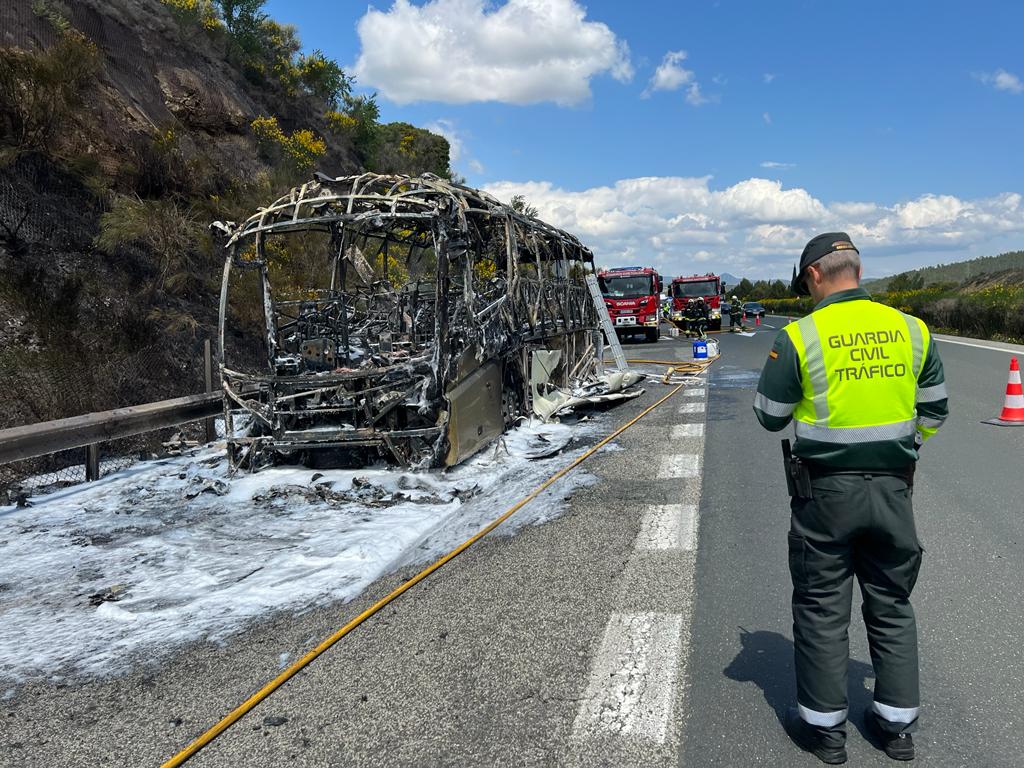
(648, 625)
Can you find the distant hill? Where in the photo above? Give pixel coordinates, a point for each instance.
(729, 279)
(956, 273)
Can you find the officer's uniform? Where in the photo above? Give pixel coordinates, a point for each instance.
(864, 385)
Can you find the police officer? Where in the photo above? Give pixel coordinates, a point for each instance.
(864, 385)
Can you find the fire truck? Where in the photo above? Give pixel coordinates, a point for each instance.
(633, 297)
(707, 287)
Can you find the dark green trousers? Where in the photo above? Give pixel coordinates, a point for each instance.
(863, 526)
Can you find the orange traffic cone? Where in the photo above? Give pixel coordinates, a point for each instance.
(1013, 408)
(758, 320)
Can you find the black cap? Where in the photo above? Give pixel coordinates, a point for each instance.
(817, 248)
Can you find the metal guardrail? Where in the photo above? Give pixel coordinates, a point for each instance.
(33, 440)
(90, 430)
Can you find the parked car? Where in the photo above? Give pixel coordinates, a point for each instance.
(754, 308)
(726, 308)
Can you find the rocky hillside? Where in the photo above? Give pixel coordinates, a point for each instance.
(126, 126)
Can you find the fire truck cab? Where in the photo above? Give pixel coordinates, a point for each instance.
(707, 287)
(633, 297)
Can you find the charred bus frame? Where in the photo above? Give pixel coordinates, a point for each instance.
(495, 313)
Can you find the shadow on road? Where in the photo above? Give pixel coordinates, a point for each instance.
(766, 659)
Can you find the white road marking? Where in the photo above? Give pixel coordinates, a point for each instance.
(687, 430)
(632, 687)
(632, 683)
(679, 465)
(668, 526)
(1008, 349)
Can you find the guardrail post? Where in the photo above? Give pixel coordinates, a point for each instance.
(211, 431)
(92, 462)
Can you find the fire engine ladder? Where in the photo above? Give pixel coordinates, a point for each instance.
(606, 322)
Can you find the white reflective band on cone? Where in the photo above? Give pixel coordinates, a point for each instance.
(896, 714)
(822, 719)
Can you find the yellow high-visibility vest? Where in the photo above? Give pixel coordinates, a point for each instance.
(859, 366)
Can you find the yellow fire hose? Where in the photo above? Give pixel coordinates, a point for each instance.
(677, 368)
(249, 704)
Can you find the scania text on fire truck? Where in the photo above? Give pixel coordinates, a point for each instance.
(632, 295)
(707, 287)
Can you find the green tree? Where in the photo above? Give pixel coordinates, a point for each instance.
(323, 77)
(519, 204)
(404, 148)
(243, 18)
(365, 130)
(745, 289)
(907, 281)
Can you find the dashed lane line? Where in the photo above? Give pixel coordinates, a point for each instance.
(632, 682)
(668, 526)
(687, 430)
(678, 466)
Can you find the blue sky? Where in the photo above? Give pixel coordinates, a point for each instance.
(766, 122)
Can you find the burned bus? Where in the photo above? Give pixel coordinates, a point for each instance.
(409, 319)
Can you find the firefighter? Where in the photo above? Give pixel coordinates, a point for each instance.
(864, 385)
(690, 317)
(735, 315)
(703, 318)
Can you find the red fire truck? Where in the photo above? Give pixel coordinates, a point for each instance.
(633, 296)
(707, 287)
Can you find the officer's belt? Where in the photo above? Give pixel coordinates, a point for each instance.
(820, 470)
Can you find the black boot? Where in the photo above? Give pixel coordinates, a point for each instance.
(827, 745)
(897, 745)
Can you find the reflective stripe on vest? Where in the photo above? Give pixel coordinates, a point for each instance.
(859, 365)
(815, 358)
(916, 341)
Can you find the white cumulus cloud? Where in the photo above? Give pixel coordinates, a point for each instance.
(1002, 80)
(461, 51)
(774, 164)
(758, 227)
(671, 75)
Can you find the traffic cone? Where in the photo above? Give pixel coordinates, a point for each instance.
(1013, 408)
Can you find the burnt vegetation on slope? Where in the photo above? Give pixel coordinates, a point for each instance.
(126, 127)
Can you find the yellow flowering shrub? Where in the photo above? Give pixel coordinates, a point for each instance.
(301, 148)
(200, 11)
